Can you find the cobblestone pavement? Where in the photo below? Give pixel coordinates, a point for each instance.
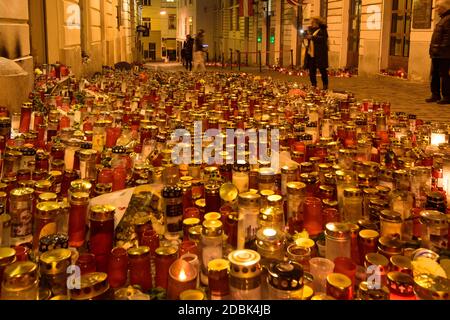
(404, 95)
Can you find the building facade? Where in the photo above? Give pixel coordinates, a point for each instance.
(194, 15)
(370, 36)
(35, 32)
(160, 17)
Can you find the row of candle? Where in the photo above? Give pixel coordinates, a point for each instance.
(341, 183)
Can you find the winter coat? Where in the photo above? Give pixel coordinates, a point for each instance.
(320, 47)
(440, 41)
(188, 47)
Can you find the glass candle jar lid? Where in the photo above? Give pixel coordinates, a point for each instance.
(248, 198)
(274, 200)
(339, 281)
(93, 284)
(228, 192)
(289, 168)
(20, 275)
(433, 217)
(102, 212)
(367, 292)
(212, 216)
(390, 245)
(376, 259)
(139, 251)
(337, 230)
(244, 263)
(79, 196)
(286, 275)
(192, 294)
(22, 193)
(7, 256)
(47, 209)
(55, 261)
(401, 263)
(295, 187)
(212, 228)
(400, 283)
(195, 233)
(322, 296)
(218, 265)
(431, 287)
(368, 234)
(48, 196)
(390, 215)
(167, 251)
(352, 192)
(80, 185)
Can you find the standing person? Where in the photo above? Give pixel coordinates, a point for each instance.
(316, 56)
(199, 54)
(188, 47)
(440, 55)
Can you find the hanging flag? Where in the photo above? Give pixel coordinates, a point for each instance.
(245, 8)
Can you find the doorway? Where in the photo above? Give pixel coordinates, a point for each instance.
(354, 25)
(37, 13)
(400, 34)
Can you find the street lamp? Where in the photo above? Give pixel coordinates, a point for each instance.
(163, 12)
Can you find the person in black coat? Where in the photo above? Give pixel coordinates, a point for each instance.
(440, 55)
(188, 55)
(316, 56)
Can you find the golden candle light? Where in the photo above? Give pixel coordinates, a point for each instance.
(182, 276)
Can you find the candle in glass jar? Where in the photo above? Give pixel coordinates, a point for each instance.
(165, 256)
(77, 218)
(101, 234)
(182, 277)
(140, 267)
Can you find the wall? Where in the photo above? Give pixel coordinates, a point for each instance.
(15, 45)
(15, 33)
(371, 37)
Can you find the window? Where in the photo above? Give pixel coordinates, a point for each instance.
(186, 26)
(147, 2)
(190, 1)
(231, 18)
(152, 51)
(148, 24)
(237, 19)
(191, 26)
(172, 21)
(246, 27)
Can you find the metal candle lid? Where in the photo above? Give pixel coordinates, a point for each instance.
(430, 287)
(93, 285)
(212, 228)
(337, 230)
(400, 283)
(433, 217)
(286, 275)
(7, 256)
(20, 275)
(244, 263)
(55, 261)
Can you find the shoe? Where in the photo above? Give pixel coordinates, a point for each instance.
(444, 101)
(433, 99)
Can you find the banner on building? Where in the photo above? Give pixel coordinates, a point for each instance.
(245, 8)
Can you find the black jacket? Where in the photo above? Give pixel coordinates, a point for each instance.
(440, 41)
(188, 46)
(320, 46)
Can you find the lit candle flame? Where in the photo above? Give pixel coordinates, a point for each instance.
(182, 275)
(269, 232)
